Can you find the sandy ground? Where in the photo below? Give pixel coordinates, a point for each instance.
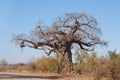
(40, 76)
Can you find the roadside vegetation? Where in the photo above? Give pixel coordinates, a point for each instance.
(87, 64)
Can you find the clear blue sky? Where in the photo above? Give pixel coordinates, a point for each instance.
(21, 16)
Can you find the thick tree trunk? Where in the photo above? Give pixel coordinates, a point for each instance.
(68, 59)
(65, 61)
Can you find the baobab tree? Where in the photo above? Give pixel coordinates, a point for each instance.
(59, 38)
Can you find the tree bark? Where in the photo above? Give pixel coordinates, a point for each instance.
(69, 63)
(65, 61)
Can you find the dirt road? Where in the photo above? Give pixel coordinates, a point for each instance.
(26, 76)
(38, 76)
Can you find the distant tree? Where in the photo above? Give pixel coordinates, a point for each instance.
(3, 65)
(59, 38)
(3, 62)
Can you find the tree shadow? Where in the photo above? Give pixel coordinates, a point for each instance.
(13, 76)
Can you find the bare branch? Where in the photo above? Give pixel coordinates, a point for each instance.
(69, 29)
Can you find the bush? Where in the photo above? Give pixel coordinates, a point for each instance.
(99, 67)
(114, 67)
(44, 64)
(91, 65)
(86, 64)
(32, 66)
(47, 64)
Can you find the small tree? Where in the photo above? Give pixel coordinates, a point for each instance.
(59, 38)
(3, 65)
(3, 62)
